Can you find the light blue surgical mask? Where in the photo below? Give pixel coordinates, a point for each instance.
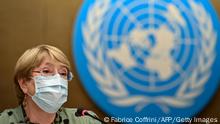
(50, 92)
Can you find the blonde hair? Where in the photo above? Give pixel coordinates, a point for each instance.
(32, 58)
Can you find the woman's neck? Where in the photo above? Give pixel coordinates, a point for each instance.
(36, 114)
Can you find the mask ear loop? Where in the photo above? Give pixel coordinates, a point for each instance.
(69, 76)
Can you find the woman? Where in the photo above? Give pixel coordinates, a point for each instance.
(41, 81)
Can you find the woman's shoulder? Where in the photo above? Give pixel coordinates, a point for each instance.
(70, 115)
(11, 115)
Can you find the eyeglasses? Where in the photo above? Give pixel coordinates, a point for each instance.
(47, 71)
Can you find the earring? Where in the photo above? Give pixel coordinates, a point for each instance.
(25, 101)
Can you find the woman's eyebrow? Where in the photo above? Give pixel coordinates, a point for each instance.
(46, 65)
(63, 67)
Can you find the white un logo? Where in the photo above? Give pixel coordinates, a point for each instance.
(147, 58)
(144, 46)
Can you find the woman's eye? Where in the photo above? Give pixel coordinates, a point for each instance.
(46, 71)
(63, 74)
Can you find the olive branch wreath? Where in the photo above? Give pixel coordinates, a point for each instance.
(110, 85)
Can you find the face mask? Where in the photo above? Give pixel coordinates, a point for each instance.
(50, 92)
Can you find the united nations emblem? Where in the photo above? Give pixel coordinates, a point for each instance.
(146, 57)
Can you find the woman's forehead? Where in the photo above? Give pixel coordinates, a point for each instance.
(51, 62)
